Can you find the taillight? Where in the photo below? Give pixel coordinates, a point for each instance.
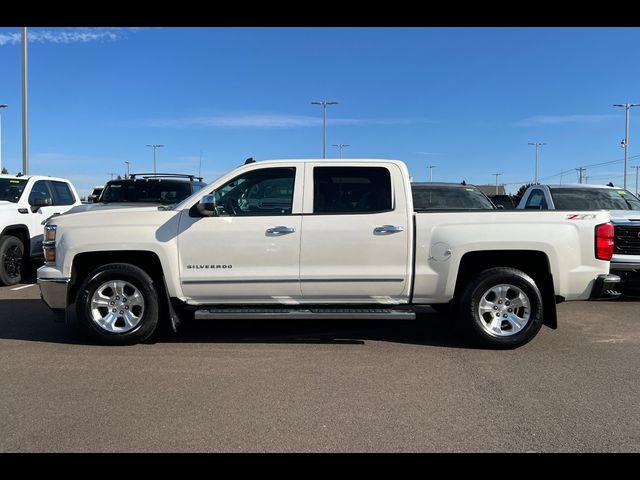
(604, 241)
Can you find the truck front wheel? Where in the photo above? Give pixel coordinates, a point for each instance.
(501, 308)
(118, 304)
(11, 257)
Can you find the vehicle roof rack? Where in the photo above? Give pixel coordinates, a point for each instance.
(165, 175)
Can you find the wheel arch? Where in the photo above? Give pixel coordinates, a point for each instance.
(532, 262)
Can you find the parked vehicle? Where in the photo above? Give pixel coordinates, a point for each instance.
(26, 202)
(503, 200)
(449, 196)
(625, 217)
(342, 242)
(142, 189)
(95, 194)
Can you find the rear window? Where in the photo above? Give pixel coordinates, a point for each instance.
(449, 198)
(594, 199)
(351, 190)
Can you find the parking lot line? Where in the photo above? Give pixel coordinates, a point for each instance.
(23, 286)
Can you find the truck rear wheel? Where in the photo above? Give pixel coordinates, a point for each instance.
(118, 304)
(501, 308)
(11, 259)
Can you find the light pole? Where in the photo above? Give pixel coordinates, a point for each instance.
(627, 107)
(25, 124)
(431, 167)
(340, 145)
(537, 144)
(128, 171)
(497, 175)
(2, 105)
(112, 174)
(324, 124)
(637, 167)
(155, 146)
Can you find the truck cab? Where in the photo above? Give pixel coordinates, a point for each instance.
(26, 203)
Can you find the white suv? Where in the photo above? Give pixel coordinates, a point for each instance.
(26, 202)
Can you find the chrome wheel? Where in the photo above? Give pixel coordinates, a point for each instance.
(504, 310)
(117, 306)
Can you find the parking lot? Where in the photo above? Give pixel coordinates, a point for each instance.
(247, 386)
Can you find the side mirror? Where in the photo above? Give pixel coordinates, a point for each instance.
(207, 205)
(41, 202)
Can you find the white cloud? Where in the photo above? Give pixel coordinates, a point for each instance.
(267, 120)
(67, 35)
(539, 120)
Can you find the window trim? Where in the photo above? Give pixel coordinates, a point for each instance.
(313, 188)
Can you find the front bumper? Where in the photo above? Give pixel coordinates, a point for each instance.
(606, 287)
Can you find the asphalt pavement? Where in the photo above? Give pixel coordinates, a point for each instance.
(321, 386)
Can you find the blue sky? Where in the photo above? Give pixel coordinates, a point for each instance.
(467, 100)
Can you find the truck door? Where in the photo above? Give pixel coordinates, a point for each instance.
(355, 238)
(250, 251)
(41, 190)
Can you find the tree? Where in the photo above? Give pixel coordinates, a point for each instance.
(4, 171)
(518, 196)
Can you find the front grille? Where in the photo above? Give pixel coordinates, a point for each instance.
(627, 240)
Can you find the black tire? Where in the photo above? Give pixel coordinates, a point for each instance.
(135, 277)
(476, 326)
(11, 260)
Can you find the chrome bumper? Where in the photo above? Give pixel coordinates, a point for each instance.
(54, 292)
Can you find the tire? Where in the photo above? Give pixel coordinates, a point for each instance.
(11, 260)
(508, 292)
(117, 304)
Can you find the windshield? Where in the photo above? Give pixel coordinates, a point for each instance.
(145, 191)
(449, 198)
(594, 199)
(11, 189)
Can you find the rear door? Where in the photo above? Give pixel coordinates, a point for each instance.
(355, 234)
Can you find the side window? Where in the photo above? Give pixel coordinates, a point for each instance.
(62, 194)
(39, 190)
(537, 199)
(268, 191)
(351, 190)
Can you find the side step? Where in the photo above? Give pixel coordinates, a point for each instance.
(303, 314)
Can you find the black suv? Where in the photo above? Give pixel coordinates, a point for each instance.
(151, 188)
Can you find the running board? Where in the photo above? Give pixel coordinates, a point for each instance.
(303, 314)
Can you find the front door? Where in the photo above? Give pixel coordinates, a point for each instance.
(250, 251)
(40, 190)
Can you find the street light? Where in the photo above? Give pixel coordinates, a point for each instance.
(155, 146)
(627, 107)
(497, 175)
(340, 145)
(431, 167)
(324, 124)
(2, 105)
(25, 107)
(128, 171)
(537, 144)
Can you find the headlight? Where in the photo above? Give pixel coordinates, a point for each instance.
(49, 244)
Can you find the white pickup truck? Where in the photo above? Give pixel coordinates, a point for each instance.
(26, 202)
(306, 239)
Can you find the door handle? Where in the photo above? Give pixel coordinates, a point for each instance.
(279, 231)
(387, 229)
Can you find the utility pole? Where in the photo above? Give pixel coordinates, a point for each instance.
(536, 144)
(580, 170)
(431, 167)
(324, 124)
(496, 175)
(627, 107)
(2, 105)
(128, 171)
(25, 123)
(340, 145)
(155, 146)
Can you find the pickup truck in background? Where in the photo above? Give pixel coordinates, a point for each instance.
(26, 202)
(623, 206)
(449, 196)
(307, 239)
